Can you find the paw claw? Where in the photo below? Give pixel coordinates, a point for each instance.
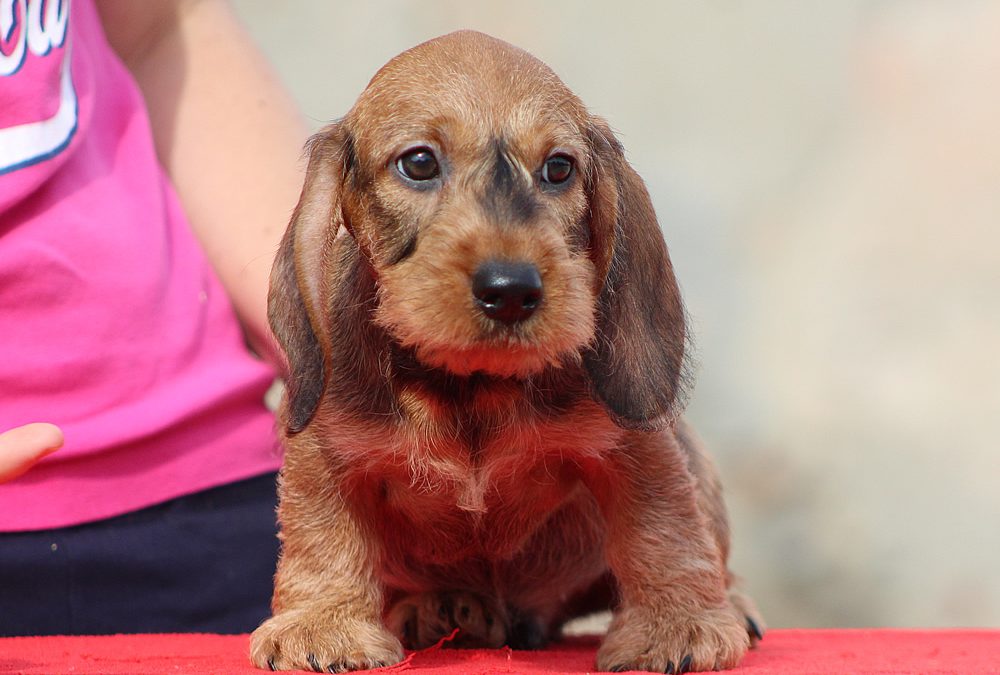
(754, 629)
(303, 640)
(642, 640)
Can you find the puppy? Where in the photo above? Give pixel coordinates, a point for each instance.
(485, 345)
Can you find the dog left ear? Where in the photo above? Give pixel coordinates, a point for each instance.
(636, 361)
(295, 298)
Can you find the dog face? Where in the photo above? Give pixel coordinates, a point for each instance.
(501, 227)
(470, 202)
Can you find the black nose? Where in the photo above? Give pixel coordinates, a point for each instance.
(507, 291)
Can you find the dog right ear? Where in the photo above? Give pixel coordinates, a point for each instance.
(636, 362)
(295, 301)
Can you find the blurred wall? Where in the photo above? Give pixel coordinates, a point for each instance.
(827, 176)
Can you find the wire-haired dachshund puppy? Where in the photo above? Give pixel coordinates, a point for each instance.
(485, 345)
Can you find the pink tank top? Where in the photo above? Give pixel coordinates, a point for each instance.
(112, 323)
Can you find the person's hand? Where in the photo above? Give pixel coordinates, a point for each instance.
(21, 447)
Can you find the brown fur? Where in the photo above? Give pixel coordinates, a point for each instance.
(444, 470)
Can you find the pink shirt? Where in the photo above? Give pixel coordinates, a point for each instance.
(112, 323)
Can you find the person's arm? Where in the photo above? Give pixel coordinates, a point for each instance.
(226, 131)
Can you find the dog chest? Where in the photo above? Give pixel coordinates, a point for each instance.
(454, 510)
(473, 478)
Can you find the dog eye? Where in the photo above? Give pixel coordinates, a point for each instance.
(557, 169)
(418, 164)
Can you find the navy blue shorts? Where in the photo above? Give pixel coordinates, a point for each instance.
(201, 563)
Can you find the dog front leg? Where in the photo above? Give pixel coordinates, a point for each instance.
(327, 601)
(674, 614)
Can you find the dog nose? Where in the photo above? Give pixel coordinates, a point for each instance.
(509, 292)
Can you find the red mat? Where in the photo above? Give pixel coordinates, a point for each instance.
(783, 651)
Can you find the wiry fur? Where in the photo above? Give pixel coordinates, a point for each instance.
(445, 470)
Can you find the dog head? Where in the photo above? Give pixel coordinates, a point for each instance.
(501, 226)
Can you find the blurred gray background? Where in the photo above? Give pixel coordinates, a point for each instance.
(827, 175)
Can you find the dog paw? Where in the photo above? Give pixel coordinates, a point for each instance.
(323, 643)
(711, 640)
(746, 608)
(421, 619)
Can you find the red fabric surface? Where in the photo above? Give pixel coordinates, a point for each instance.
(783, 651)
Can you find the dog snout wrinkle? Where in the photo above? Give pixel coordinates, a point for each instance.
(509, 292)
(508, 197)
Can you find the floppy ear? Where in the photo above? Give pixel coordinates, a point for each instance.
(636, 361)
(298, 279)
